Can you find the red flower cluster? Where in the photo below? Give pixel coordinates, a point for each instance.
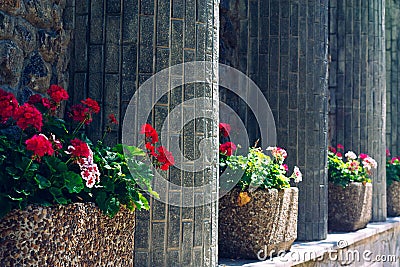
(38, 99)
(57, 93)
(92, 105)
(80, 113)
(150, 133)
(227, 148)
(8, 105)
(83, 112)
(27, 115)
(79, 148)
(337, 151)
(112, 119)
(224, 129)
(165, 158)
(40, 145)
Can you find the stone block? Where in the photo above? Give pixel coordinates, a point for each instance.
(11, 63)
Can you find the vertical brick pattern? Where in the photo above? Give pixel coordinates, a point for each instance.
(357, 87)
(392, 76)
(118, 45)
(282, 46)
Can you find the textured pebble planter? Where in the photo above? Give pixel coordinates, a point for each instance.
(393, 199)
(74, 235)
(349, 208)
(264, 226)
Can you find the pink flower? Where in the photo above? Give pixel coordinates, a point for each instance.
(339, 154)
(387, 152)
(298, 177)
(278, 153)
(285, 167)
(362, 156)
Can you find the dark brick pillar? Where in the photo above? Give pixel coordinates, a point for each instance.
(282, 46)
(392, 24)
(118, 46)
(357, 85)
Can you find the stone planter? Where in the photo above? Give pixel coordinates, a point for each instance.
(349, 208)
(73, 235)
(393, 199)
(268, 223)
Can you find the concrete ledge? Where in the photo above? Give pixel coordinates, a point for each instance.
(374, 245)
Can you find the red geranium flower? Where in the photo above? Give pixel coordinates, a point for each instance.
(150, 133)
(332, 149)
(92, 105)
(48, 104)
(80, 113)
(363, 156)
(34, 99)
(112, 119)
(27, 115)
(340, 146)
(79, 148)
(151, 149)
(387, 152)
(224, 129)
(165, 158)
(339, 154)
(8, 105)
(227, 148)
(40, 145)
(57, 93)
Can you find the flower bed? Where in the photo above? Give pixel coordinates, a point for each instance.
(393, 185)
(350, 189)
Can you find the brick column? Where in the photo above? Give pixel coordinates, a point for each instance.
(357, 85)
(120, 44)
(392, 76)
(282, 46)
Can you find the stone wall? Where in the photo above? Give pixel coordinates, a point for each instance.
(392, 76)
(33, 45)
(357, 87)
(282, 46)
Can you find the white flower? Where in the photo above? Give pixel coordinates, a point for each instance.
(298, 177)
(351, 155)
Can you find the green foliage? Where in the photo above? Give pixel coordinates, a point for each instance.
(392, 170)
(260, 170)
(57, 178)
(351, 169)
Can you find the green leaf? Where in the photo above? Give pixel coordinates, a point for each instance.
(42, 181)
(73, 182)
(13, 172)
(133, 151)
(101, 201)
(112, 206)
(55, 164)
(58, 195)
